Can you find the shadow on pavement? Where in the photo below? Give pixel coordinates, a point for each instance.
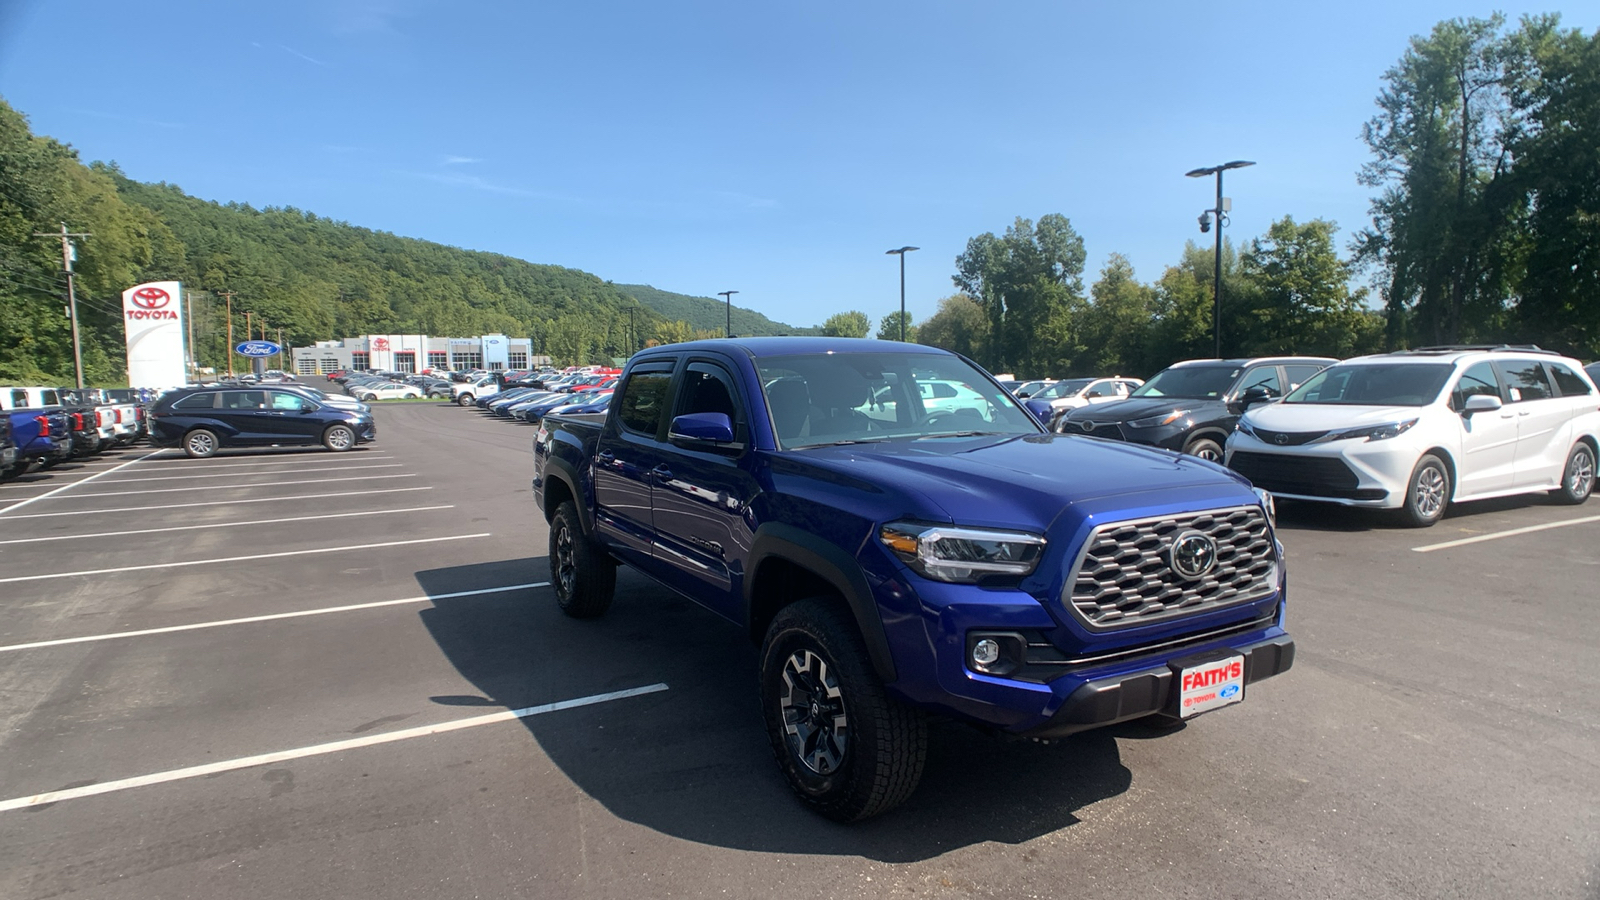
(693, 761)
(1308, 516)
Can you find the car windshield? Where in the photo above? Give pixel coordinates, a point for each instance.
(1191, 382)
(835, 398)
(1061, 389)
(1380, 384)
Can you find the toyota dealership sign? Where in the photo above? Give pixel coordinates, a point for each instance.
(152, 314)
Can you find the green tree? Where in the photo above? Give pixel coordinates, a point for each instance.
(1117, 325)
(959, 325)
(1030, 285)
(889, 328)
(850, 324)
(1299, 299)
(1441, 224)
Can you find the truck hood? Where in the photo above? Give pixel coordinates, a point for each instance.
(1029, 482)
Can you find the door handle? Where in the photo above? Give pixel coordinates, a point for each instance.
(606, 456)
(661, 471)
(1522, 413)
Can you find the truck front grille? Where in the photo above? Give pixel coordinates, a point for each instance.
(1125, 577)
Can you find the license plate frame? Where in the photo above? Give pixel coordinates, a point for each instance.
(1209, 682)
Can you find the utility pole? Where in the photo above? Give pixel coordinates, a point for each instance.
(229, 295)
(72, 297)
(728, 296)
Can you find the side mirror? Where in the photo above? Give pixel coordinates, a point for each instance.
(702, 428)
(1478, 403)
(309, 407)
(1094, 394)
(1254, 395)
(1041, 409)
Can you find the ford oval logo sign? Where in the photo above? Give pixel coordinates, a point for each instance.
(1229, 692)
(258, 349)
(1193, 555)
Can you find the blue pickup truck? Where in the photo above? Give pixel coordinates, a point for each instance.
(900, 552)
(42, 433)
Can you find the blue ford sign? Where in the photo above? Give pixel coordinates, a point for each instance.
(259, 349)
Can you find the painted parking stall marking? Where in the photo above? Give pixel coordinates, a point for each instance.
(248, 762)
(210, 525)
(323, 496)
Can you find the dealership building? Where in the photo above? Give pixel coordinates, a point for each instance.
(415, 352)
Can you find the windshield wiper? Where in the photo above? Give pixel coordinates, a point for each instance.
(945, 434)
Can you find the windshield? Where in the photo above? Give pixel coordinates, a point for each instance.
(1060, 389)
(1191, 382)
(832, 398)
(1383, 384)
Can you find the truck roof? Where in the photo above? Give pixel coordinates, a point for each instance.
(785, 346)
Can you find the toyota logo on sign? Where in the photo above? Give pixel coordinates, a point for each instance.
(150, 298)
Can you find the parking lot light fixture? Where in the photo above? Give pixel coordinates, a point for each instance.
(902, 254)
(728, 297)
(1219, 214)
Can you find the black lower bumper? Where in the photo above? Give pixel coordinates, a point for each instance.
(1152, 692)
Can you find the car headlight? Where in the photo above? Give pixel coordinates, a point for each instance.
(1246, 428)
(1268, 505)
(963, 555)
(1161, 419)
(1370, 432)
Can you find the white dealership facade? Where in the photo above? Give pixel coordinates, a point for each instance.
(415, 352)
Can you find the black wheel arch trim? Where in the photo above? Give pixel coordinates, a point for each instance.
(833, 565)
(557, 469)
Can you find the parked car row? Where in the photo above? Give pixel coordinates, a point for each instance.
(46, 425)
(561, 393)
(1411, 431)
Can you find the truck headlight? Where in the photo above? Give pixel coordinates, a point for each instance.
(963, 555)
(1268, 506)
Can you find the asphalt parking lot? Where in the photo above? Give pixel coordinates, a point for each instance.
(341, 675)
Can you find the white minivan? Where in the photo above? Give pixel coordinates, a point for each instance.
(1420, 429)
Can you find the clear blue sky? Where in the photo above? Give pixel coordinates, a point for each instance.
(777, 149)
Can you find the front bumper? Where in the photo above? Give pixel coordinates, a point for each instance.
(1370, 474)
(1152, 691)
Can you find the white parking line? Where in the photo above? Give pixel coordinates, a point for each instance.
(285, 459)
(247, 474)
(74, 484)
(117, 635)
(122, 509)
(231, 487)
(248, 762)
(1496, 535)
(229, 559)
(106, 534)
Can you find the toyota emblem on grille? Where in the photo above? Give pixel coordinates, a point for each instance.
(1193, 555)
(1087, 426)
(1280, 439)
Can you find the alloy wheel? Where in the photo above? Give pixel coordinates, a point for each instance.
(1429, 491)
(814, 721)
(1580, 474)
(566, 561)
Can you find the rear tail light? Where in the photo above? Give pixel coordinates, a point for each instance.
(138, 413)
(44, 425)
(77, 421)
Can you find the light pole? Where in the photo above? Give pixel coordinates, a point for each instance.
(1221, 211)
(728, 296)
(902, 254)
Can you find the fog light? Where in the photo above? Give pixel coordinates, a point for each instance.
(986, 652)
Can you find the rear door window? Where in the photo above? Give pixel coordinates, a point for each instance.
(196, 401)
(244, 400)
(1265, 377)
(1299, 375)
(1524, 379)
(644, 398)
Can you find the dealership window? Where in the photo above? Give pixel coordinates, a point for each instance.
(360, 361)
(305, 365)
(518, 359)
(405, 361)
(438, 359)
(466, 359)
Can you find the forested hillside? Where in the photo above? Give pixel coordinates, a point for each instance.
(707, 314)
(312, 277)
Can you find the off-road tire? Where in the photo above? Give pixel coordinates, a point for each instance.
(339, 438)
(1577, 476)
(885, 743)
(1206, 449)
(1427, 493)
(583, 576)
(200, 444)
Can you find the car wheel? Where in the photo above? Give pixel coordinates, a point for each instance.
(848, 750)
(583, 576)
(1205, 448)
(367, 398)
(464, 400)
(1577, 479)
(199, 444)
(1427, 493)
(338, 438)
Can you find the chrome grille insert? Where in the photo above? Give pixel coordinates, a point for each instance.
(1124, 577)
